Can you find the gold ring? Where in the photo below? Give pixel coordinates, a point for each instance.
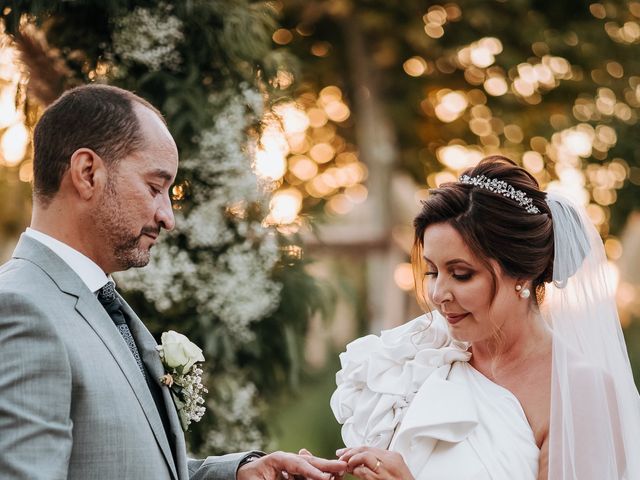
(378, 463)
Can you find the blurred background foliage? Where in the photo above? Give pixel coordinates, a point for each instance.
(225, 277)
(368, 104)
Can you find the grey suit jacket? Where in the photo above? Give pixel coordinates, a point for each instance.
(73, 402)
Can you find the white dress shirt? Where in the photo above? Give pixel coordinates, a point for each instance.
(90, 273)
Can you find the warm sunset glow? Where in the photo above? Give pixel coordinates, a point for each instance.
(14, 144)
(8, 114)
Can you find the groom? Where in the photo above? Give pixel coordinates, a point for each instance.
(79, 390)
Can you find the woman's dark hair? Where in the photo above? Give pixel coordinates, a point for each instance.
(493, 226)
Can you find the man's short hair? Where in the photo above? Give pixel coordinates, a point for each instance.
(98, 117)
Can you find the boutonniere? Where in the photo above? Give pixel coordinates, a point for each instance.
(183, 376)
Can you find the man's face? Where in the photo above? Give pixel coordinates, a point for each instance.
(136, 204)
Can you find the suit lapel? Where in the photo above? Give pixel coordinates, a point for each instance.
(91, 310)
(147, 347)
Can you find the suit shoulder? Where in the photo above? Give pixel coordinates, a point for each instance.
(20, 275)
(23, 287)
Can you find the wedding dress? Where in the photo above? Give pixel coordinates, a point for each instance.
(413, 391)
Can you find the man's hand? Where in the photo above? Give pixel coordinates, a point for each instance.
(272, 467)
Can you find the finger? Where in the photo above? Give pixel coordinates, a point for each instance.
(304, 451)
(332, 466)
(366, 458)
(341, 451)
(349, 452)
(297, 465)
(364, 473)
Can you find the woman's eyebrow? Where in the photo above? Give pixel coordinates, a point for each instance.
(451, 262)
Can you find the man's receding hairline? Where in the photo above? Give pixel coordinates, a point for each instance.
(138, 108)
(140, 102)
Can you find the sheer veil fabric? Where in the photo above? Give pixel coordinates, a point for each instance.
(594, 431)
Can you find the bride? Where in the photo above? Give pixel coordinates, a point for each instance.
(519, 370)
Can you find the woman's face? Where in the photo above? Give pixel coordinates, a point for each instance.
(459, 286)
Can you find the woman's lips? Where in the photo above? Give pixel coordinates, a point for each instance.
(453, 319)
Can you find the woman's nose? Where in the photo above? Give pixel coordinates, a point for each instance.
(440, 292)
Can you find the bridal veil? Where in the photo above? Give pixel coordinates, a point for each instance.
(594, 431)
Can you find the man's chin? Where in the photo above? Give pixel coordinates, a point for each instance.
(138, 259)
(143, 259)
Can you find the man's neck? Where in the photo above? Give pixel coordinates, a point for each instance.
(51, 222)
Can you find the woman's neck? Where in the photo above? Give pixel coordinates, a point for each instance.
(520, 339)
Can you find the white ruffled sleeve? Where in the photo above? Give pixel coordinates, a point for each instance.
(381, 374)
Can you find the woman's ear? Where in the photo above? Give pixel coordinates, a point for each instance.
(87, 172)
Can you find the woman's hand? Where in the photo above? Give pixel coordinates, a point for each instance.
(370, 463)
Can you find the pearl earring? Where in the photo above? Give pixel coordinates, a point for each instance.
(524, 292)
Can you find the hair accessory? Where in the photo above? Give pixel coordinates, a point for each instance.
(502, 188)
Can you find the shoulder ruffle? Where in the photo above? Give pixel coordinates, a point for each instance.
(380, 375)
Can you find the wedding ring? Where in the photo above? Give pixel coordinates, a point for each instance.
(378, 463)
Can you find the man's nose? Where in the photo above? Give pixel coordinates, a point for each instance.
(164, 214)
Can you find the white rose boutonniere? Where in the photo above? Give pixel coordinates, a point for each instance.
(180, 358)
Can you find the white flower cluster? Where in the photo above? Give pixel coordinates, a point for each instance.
(227, 272)
(149, 37)
(223, 159)
(191, 395)
(236, 409)
(163, 280)
(242, 291)
(206, 224)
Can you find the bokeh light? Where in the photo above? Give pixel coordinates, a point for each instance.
(403, 276)
(451, 105)
(301, 151)
(284, 206)
(14, 144)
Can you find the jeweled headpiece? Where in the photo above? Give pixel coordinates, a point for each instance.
(502, 188)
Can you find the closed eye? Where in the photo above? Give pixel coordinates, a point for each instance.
(460, 277)
(463, 277)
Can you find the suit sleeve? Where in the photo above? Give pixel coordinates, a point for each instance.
(35, 393)
(223, 467)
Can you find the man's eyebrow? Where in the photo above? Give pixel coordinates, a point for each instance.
(164, 174)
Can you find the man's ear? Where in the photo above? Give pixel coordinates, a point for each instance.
(88, 173)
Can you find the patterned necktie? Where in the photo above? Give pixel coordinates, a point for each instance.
(111, 303)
